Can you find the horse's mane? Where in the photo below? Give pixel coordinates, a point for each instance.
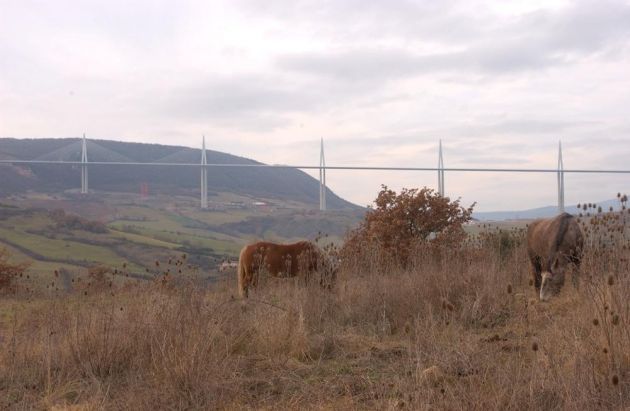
(562, 230)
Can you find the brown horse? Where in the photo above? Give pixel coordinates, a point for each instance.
(281, 260)
(553, 245)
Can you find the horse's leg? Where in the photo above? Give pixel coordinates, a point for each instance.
(575, 270)
(243, 278)
(254, 280)
(537, 273)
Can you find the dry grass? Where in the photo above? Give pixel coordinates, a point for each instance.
(458, 329)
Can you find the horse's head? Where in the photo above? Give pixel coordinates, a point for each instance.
(553, 278)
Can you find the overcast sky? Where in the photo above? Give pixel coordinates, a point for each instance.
(381, 81)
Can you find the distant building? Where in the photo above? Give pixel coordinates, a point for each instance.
(236, 204)
(227, 265)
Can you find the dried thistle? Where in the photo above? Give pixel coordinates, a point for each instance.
(615, 319)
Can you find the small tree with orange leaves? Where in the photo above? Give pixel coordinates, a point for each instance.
(399, 222)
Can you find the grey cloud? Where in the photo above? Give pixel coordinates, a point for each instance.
(390, 140)
(240, 94)
(461, 132)
(583, 24)
(532, 42)
(267, 100)
(488, 161)
(527, 126)
(617, 159)
(354, 65)
(145, 25)
(458, 151)
(261, 101)
(488, 153)
(350, 20)
(505, 57)
(586, 26)
(374, 65)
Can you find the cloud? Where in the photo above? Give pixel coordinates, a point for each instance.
(533, 42)
(217, 96)
(382, 65)
(586, 26)
(499, 82)
(374, 20)
(252, 102)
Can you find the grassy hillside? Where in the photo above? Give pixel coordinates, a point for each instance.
(140, 231)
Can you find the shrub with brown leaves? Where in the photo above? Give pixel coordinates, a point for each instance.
(400, 222)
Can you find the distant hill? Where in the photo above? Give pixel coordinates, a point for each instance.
(281, 184)
(540, 212)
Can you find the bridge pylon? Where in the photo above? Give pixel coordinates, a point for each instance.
(84, 166)
(204, 175)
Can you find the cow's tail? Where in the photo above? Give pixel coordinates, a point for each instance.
(241, 272)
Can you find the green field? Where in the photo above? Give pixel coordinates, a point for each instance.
(142, 239)
(143, 231)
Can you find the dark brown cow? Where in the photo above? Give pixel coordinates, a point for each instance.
(554, 244)
(281, 260)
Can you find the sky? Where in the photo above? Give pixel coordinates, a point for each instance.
(500, 83)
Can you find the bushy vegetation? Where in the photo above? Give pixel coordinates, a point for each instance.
(454, 327)
(399, 224)
(9, 272)
(75, 222)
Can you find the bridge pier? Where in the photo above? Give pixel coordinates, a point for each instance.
(322, 178)
(440, 171)
(560, 179)
(204, 175)
(84, 166)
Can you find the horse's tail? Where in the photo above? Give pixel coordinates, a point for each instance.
(241, 272)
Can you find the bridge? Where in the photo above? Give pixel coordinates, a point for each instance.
(203, 165)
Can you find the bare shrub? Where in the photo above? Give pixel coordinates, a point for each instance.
(9, 272)
(74, 222)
